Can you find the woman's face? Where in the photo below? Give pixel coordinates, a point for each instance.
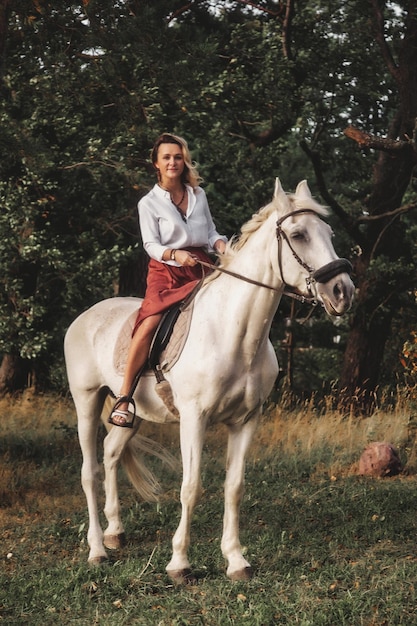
(170, 162)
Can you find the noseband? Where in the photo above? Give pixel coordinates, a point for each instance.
(322, 275)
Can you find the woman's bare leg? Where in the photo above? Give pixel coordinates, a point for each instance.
(136, 358)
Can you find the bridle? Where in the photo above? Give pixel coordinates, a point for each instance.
(322, 275)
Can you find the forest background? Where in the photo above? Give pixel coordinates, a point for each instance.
(319, 90)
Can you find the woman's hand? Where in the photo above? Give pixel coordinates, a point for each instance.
(185, 259)
(220, 246)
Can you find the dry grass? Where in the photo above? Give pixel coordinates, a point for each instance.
(299, 431)
(304, 431)
(36, 434)
(329, 548)
(29, 411)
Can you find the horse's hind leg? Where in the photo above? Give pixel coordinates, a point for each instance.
(88, 405)
(239, 441)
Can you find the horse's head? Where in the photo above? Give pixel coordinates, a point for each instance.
(307, 261)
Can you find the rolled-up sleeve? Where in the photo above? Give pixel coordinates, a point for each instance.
(149, 229)
(163, 227)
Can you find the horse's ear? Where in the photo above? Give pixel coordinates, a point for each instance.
(278, 188)
(303, 190)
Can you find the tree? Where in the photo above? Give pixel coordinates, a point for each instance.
(259, 88)
(385, 268)
(66, 194)
(331, 85)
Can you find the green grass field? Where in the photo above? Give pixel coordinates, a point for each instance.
(328, 547)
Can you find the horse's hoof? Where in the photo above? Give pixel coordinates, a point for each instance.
(114, 542)
(97, 561)
(244, 574)
(182, 576)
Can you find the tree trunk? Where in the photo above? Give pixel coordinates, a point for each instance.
(14, 374)
(132, 277)
(384, 237)
(4, 18)
(370, 325)
(362, 363)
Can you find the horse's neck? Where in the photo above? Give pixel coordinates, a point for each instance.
(243, 306)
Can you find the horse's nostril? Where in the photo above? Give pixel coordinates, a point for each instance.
(338, 291)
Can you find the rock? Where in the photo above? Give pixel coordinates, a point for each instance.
(380, 459)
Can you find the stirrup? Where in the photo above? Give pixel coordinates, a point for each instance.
(125, 414)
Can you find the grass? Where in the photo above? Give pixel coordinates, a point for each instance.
(329, 547)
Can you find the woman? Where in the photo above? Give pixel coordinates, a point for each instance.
(177, 228)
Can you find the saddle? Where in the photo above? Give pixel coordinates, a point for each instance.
(163, 335)
(166, 348)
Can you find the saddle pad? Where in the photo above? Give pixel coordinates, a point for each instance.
(172, 351)
(122, 344)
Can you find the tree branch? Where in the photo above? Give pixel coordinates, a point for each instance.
(286, 29)
(88, 164)
(391, 214)
(286, 10)
(365, 140)
(250, 3)
(382, 42)
(327, 197)
(258, 7)
(4, 20)
(179, 11)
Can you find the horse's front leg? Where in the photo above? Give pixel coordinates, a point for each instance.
(239, 441)
(192, 436)
(114, 444)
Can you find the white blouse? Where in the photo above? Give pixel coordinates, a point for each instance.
(162, 226)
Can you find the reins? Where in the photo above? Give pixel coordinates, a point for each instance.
(322, 275)
(291, 294)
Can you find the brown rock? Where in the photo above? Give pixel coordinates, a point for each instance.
(380, 459)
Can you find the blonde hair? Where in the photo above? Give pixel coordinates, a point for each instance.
(190, 174)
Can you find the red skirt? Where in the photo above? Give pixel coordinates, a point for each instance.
(168, 284)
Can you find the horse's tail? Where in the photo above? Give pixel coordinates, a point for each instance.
(133, 463)
(142, 478)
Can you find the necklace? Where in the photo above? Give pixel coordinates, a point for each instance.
(177, 206)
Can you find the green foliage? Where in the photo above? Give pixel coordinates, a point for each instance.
(100, 80)
(409, 360)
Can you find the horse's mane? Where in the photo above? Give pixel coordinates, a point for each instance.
(237, 242)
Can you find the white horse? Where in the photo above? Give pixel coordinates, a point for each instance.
(225, 372)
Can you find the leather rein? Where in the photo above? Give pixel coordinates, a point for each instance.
(322, 275)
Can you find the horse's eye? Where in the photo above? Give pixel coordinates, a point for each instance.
(298, 235)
